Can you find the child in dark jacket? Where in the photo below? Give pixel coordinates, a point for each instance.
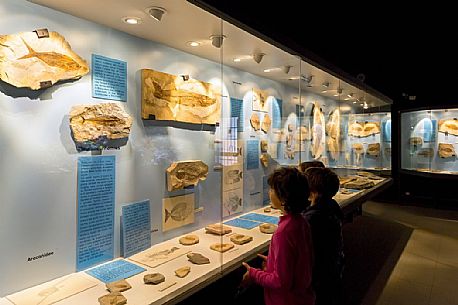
(325, 218)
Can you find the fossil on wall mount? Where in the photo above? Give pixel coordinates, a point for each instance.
(185, 173)
(449, 126)
(38, 60)
(174, 98)
(99, 126)
(363, 129)
(446, 150)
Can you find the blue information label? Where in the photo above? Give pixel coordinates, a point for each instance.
(252, 158)
(261, 218)
(109, 78)
(115, 271)
(96, 203)
(265, 190)
(136, 227)
(242, 223)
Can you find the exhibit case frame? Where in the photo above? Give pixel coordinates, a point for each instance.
(124, 149)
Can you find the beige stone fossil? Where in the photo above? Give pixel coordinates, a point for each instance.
(99, 126)
(358, 148)
(175, 98)
(221, 247)
(114, 298)
(333, 146)
(446, 150)
(363, 129)
(218, 229)
(426, 152)
(415, 141)
(267, 228)
(153, 279)
(359, 184)
(183, 271)
(185, 173)
(344, 179)
(188, 240)
(318, 132)
(303, 133)
(449, 126)
(260, 100)
(118, 286)
(36, 63)
(264, 158)
(373, 149)
(267, 210)
(266, 123)
(254, 121)
(240, 239)
(198, 259)
(264, 145)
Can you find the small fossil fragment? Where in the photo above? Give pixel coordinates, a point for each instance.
(254, 121)
(264, 158)
(266, 123)
(183, 271)
(113, 298)
(153, 279)
(188, 240)
(373, 149)
(118, 286)
(221, 247)
(197, 258)
(446, 150)
(426, 152)
(264, 145)
(415, 141)
(267, 228)
(241, 239)
(218, 229)
(267, 210)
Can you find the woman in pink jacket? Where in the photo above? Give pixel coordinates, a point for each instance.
(287, 275)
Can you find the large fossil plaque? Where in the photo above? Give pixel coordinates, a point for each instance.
(27, 61)
(363, 129)
(99, 126)
(172, 98)
(449, 126)
(446, 150)
(185, 173)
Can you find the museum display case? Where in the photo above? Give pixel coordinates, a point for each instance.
(428, 141)
(136, 142)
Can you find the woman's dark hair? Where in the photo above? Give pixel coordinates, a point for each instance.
(291, 188)
(305, 165)
(323, 182)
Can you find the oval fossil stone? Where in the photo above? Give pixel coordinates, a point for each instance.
(267, 228)
(118, 286)
(221, 247)
(188, 240)
(198, 259)
(153, 279)
(183, 271)
(241, 239)
(113, 298)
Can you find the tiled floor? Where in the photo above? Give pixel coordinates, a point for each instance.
(427, 270)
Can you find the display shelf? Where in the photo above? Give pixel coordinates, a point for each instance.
(200, 275)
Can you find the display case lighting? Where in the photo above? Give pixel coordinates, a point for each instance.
(193, 43)
(156, 12)
(132, 20)
(257, 57)
(237, 59)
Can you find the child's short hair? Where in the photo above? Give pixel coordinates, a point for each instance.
(322, 181)
(305, 165)
(291, 188)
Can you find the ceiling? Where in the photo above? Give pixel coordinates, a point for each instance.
(184, 22)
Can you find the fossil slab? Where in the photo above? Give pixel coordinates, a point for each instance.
(358, 148)
(333, 132)
(259, 99)
(359, 184)
(221, 247)
(449, 126)
(267, 228)
(99, 126)
(175, 98)
(446, 150)
(198, 259)
(114, 298)
(159, 254)
(267, 210)
(254, 121)
(188, 240)
(363, 129)
(27, 61)
(303, 133)
(426, 152)
(266, 123)
(415, 141)
(185, 173)
(318, 132)
(264, 145)
(240, 239)
(183, 271)
(264, 158)
(343, 180)
(153, 279)
(118, 286)
(178, 211)
(232, 201)
(218, 229)
(373, 149)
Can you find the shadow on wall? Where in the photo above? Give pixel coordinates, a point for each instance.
(42, 94)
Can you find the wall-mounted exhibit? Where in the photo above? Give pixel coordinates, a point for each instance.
(135, 153)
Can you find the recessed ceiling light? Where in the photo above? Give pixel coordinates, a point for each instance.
(132, 20)
(193, 43)
(237, 60)
(267, 70)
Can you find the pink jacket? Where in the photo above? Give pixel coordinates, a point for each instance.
(288, 276)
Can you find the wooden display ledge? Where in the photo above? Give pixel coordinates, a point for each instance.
(201, 275)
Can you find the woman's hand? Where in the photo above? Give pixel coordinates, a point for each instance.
(264, 261)
(246, 280)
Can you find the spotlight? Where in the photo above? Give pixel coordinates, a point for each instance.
(217, 40)
(185, 77)
(193, 43)
(257, 57)
(286, 69)
(132, 20)
(156, 12)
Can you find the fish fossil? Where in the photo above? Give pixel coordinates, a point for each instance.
(162, 254)
(180, 211)
(449, 126)
(233, 203)
(446, 150)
